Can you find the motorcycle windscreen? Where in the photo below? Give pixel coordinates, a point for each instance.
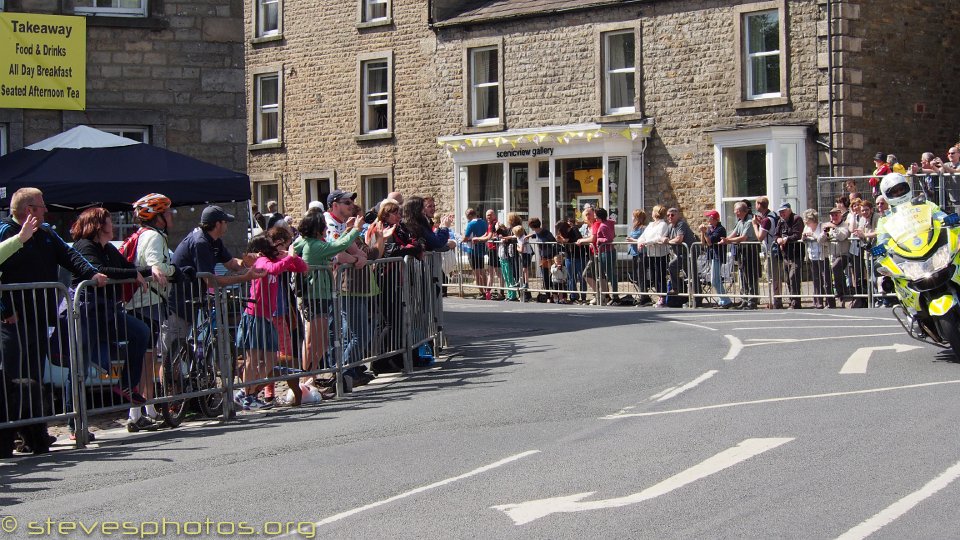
(909, 223)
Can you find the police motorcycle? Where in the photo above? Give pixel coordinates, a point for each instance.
(918, 257)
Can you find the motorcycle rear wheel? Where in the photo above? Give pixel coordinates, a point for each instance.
(949, 326)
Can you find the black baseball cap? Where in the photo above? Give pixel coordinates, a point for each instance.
(213, 214)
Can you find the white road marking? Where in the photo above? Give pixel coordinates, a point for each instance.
(767, 341)
(901, 507)
(781, 399)
(839, 316)
(695, 325)
(817, 326)
(658, 394)
(741, 321)
(688, 386)
(525, 512)
(735, 347)
(421, 489)
(857, 363)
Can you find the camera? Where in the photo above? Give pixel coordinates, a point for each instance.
(370, 216)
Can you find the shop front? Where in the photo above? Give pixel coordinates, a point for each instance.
(550, 173)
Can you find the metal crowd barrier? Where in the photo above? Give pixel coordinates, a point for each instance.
(30, 342)
(74, 354)
(680, 274)
(940, 188)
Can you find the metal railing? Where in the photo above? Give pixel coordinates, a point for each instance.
(70, 354)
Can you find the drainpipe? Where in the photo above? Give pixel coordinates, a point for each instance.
(830, 123)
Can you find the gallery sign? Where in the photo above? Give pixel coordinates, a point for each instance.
(43, 61)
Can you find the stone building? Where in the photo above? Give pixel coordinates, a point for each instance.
(538, 106)
(167, 72)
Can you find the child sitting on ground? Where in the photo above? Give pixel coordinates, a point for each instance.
(558, 278)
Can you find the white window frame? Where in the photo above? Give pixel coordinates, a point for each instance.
(370, 100)
(748, 57)
(609, 72)
(261, 109)
(140, 11)
(260, 198)
(772, 139)
(311, 186)
(126, 131)
(475, 119)
(367, 7)
(260, 18)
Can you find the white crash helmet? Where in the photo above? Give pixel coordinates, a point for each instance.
(896, 188)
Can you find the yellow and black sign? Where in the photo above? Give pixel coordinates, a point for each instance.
(43, 61)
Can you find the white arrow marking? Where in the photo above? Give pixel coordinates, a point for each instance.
(857, 363)
(525, 512)
(735, 347)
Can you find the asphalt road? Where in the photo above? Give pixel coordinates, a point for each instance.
(561, 422)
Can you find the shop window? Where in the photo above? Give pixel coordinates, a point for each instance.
(316, 187)
(761, 161)
(267, 108)
(376, 89)
(520, 190)
(761, 53)
(484, 187)
(267, 18)
(114, 8)
(617, 190)
(484, 76)
(580, 183)
(374, 11)
(375, 189)
(620, 70)
(136, 133)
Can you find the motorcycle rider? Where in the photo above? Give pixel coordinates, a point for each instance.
(899, 195)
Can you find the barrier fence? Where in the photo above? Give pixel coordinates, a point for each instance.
(74, 353)
(803, 273)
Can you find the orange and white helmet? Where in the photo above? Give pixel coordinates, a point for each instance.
(150, 206)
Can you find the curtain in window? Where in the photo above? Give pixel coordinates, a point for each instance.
(621, 71)
(485, 187)
(378, 96)
(269, 108)
(486, 84)
(763, 48)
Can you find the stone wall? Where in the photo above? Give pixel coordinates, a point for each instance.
(688, 66)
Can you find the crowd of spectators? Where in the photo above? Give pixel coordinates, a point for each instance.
(282, 316)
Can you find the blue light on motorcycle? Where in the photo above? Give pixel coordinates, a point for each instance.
(952, 219)
(879, 251)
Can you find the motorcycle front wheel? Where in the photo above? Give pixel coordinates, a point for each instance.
(949, 326)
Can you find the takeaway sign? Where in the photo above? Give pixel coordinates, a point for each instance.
(42, 61)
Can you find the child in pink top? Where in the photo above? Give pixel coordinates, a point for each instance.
(257, 336)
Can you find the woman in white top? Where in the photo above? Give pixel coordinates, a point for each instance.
(654, 243)
(813, 238)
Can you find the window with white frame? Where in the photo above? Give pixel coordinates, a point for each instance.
(116, 8)
(375, 10)
(484, 73)
(267, 18)
(375, 189)
(761, 161)
(619, 72)
(761, 54)
(136, 133)
(264, 192)
(266, 108)
(316, 187)
(375, 96)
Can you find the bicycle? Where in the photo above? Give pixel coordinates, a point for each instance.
(193, 368)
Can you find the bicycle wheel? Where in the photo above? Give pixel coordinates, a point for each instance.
(175, 383)
(208, 376)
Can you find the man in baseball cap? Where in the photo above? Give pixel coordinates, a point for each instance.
(213, 214)
(338, 195)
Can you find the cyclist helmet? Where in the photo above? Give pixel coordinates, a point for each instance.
(150, 206)
(896, 188)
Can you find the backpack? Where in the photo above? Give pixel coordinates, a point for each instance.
(129, 251)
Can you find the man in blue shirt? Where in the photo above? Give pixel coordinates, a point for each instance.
(474, 242)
